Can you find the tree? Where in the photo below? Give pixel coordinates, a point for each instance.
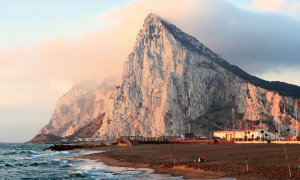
(266, 135)
(262, 132)
(248, 134)
(275, 131)
(288, 131)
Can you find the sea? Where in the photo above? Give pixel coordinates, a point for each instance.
(29, 161)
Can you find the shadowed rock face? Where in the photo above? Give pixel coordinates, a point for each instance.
(79, 106)
(88, 130)
(152, 97)
(45, 138)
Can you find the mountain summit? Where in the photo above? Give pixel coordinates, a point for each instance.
(152, 98)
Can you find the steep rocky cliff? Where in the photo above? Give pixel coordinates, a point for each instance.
(45, 138)
(88, 130)
(79, 106)
(152, 99)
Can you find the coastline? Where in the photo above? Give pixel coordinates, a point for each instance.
(265, 161)
(177, 171)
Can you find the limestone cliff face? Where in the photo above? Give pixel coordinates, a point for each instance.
(152, 99)
(272, 108)
(79, 106)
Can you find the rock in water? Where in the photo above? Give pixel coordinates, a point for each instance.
(152, 98)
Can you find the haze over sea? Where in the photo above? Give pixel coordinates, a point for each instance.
(28, 161)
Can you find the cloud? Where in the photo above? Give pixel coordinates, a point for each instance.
(255, 41)
(285, 74)
(288, 7)
(25, 71)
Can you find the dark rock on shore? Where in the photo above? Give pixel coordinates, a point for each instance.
(70, 147)
(63, 147)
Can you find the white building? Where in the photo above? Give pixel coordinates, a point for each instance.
(240, 134)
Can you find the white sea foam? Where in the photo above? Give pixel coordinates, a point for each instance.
(27, 158)
(41, 155)
(100, 170)
(51, 154)
(63, 152)
(83, 152)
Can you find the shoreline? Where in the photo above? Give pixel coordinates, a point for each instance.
(175, 171)
(265, 161)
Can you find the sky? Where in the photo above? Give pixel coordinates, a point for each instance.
(45, 45)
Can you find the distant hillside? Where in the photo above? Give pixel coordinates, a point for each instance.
(45, 138)
(88, 130)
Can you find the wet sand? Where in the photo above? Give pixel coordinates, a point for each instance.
(265, 161)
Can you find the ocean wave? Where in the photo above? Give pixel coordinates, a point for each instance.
(10, 152)
(64, 163)
(98, 173)
(78, 175)
(19, 164)
(27, 158)
(41, 155)
(51, 154)
(39, 164)
(90, 168)
(23, 152)
(8, 165)
(34, 164)
(62, 152)
(13, 152)
(89, 152)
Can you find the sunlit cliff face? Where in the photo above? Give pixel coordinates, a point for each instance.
(152, 97)
(270, 106)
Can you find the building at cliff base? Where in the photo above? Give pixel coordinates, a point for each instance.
(253, 135)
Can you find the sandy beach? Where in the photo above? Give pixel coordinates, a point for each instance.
(265, 161)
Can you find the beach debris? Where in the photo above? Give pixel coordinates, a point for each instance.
(246, 157)
(174, 160)
(124, 141)
(287, 161)
(203, 159)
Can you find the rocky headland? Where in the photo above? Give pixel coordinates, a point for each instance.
(151, 98)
